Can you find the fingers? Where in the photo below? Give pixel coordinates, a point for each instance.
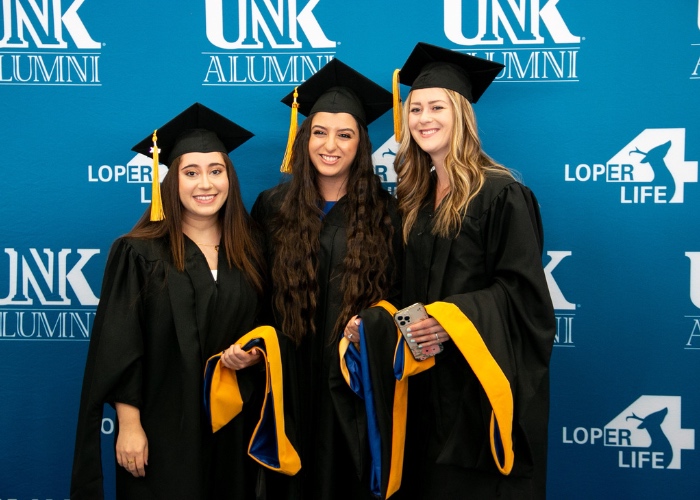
(352, 329)
(135, 464)
(236, 358)
(427, 333)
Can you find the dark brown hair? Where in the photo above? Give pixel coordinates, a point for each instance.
(369, 257)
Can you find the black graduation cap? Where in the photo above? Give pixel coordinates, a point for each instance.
(337, 88)
(197, 129)
(431, 66)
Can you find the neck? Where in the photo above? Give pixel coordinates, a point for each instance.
(332, 189)
(205, 231)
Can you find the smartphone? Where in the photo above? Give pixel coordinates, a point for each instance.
(403, 319)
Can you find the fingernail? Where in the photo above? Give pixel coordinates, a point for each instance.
(412, 341)
(357, 322)
(420, 346)
(409, 335)
(408, 329)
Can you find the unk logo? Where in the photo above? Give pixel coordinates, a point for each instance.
(563, 308)
(647, 434)
(259, 24)
(280, 27)
(383, 161)
(650, 169)
(46, 25)
(48, 277)
(523, 23)
(49, 24)
(693, 342)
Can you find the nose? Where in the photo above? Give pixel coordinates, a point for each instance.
(205, 181)
(425, 115)
(330, 142)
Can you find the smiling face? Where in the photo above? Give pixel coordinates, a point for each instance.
(430, 120)
(333, 146)
(203, 185)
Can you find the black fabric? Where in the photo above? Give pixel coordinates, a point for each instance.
(334, 465)
(430, 66)
(196, 129)
(337, 88)
(154, 329)
(492, 270)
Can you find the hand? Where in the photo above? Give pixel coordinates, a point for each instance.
(352, 330)
(236, 358)
(132, 443)
(427, 332)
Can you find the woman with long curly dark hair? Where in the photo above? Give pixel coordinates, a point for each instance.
(333, 244)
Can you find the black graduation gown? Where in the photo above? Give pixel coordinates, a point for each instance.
(492, 271)
(154, 329)
(329, 458)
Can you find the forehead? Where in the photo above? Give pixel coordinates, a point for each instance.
(334, 120)
(201, 159)
(429, 94)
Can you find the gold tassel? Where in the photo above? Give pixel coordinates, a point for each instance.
(156, 202)
(397, 105)
(287, 160)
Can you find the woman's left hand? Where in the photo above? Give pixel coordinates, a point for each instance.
(236, 358)
(427, 332)
(352, 330)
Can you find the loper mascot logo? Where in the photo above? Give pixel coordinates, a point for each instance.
(647, 434)
(138, 171)
(491, 25)
(294, 43)
(650, 169)
(31, 27)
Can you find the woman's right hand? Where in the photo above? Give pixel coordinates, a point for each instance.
(236, 358)
(132, 443)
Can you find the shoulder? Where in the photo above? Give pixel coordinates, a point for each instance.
(498, 189)
(148, 249)
(269, 201)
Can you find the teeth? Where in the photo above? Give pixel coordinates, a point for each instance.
(208, 197)
(330, 158)
(425, 133)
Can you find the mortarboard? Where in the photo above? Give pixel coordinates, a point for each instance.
(197, 129)
(430, 66)
(336, 88)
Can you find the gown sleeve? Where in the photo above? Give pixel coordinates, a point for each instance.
(113, 370)
(506, 329)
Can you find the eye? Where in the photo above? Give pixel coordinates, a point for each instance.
(319, 132)
(216, 171)
(415, 110)
(190, 173)
(438, 107)
(345, 135)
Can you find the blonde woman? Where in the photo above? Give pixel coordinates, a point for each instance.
(474, 242)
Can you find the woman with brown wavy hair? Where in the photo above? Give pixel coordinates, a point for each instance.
(176, 290)
(473, 256)
(333, 242)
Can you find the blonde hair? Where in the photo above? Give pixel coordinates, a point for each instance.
(465, 164)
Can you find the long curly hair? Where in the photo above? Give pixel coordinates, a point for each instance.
(242, 249)
(297, 226)
(466, 164)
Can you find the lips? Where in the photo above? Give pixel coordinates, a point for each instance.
(204, 198)
(329, 159)
(428, 133)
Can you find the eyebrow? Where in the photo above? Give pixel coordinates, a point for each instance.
(197, 165)
(346, 129)
(431, 102)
